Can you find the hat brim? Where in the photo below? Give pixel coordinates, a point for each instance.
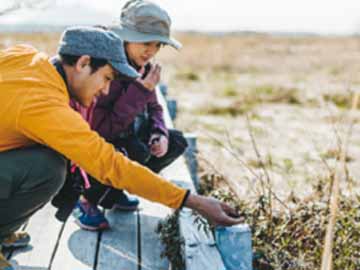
(125, 69)
(134, 36)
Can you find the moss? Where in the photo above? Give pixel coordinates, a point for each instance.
(272, 94)
(288, 165)
(335, 71)
(188, 75)
(341, 100)
(230, 91)
(233, 110)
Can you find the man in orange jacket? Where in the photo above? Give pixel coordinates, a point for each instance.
(39, 131)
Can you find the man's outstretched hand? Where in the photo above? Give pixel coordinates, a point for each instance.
(217, 212)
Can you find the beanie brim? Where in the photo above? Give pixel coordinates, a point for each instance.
(124, 69)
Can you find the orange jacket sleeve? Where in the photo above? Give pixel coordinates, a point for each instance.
(47, 119)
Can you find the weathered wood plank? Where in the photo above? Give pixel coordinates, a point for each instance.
(200, 249)
(151, 247)
(44, 230)
(178, 171)
(76, 248)
(152, 213)
(119, 245)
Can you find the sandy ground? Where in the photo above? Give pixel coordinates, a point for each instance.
(295, 91)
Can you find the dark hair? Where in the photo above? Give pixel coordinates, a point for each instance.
(95, 63)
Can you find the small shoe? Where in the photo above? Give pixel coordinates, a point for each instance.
(16, 240)
(126, 203)
(89, 217)
(4, 264)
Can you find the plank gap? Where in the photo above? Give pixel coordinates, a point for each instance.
(139, 239)
(97, 249)
(57, 244)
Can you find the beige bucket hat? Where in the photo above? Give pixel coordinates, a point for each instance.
(144, 21)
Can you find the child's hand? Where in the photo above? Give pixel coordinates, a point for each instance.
(159, 144)
(152, 78)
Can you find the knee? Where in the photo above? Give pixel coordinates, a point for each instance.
(177, 141)
(138, 151)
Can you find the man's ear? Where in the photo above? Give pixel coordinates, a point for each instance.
(82, 62)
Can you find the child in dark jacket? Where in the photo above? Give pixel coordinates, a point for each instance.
(130, 117)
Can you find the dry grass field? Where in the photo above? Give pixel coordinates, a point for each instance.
(295, 91)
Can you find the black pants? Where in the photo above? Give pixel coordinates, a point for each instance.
(137, 149)
(29, 178)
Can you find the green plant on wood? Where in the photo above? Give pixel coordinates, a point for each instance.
(173, 242)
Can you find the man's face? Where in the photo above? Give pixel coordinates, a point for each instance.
(85, 85)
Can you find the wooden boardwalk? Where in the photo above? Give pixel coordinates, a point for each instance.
(130, 244)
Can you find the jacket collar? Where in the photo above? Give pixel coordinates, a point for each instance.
(55, 61)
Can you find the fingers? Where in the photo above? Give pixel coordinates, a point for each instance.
(158, 150)
(223, 219)
(154, 74)
(142, 70)
(152, 69)
(154, 143)
(229, 221)
(153, 137)
(229, 210)
(157, 69)
(217, 213)
(155, 149)
(227, 216)
(152, 78)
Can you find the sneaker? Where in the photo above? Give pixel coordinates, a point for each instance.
(16, 240)
(126, 203)
(89, 217)
(4, 264)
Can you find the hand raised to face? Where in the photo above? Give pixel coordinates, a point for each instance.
(152, 78)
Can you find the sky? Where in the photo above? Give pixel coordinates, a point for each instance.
(315, 16)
